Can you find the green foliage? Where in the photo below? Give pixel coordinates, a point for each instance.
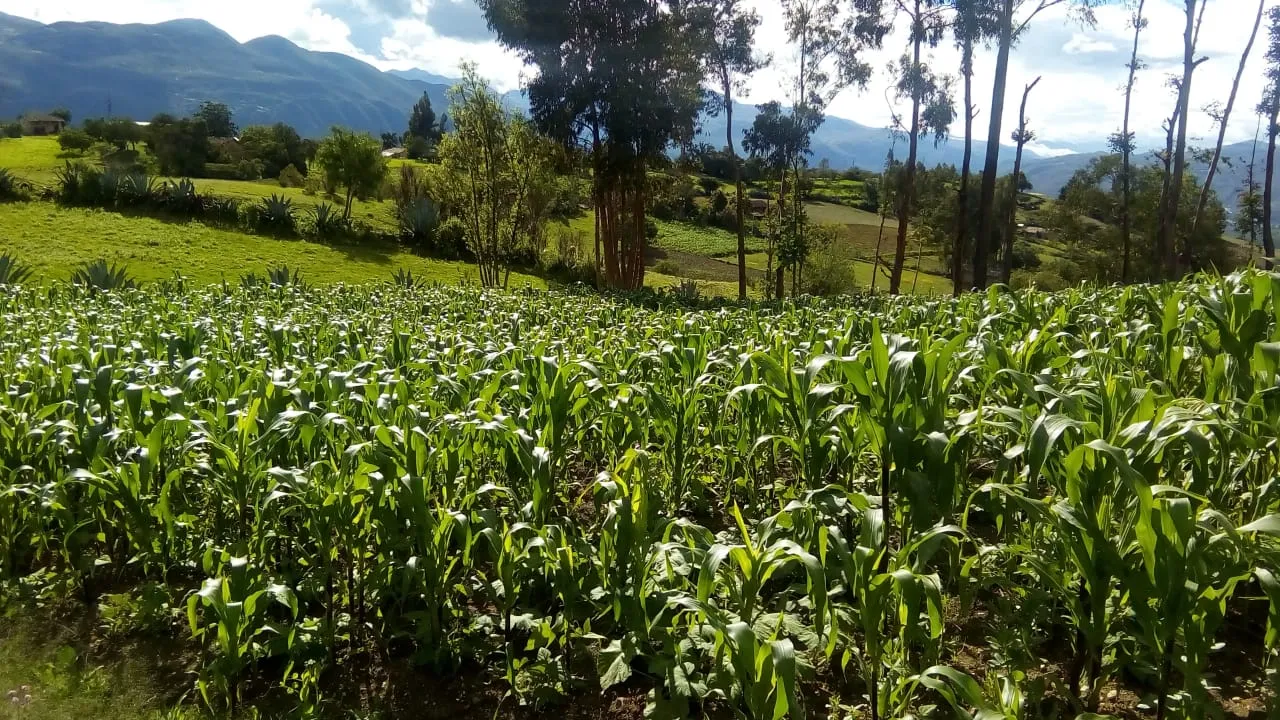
(327, 222)
(12, 130)
(120, 132)
(276, 214)
(352, 161)
(760, 505)
(216, 118)
(499, 179)
(291, 178)
(101, 276)
(451, 238)
(11, 188)
(12, 270)
(423, 130)
(277, 147)
(75, 141)
(179, 146)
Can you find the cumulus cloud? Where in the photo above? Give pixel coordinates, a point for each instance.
(1079, 44)
(1079, 100)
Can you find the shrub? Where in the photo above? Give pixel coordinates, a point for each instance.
(221, 171)
(276, 214)
(667, 267)
(650, 229)
(77, 141)
(11, 188)
(249, 169)
(291, 177)
(405, 279)
(79, 183)
(718, 202)
(1025, 257)
(99, 276)
(451, 238)
(13, 130)
(418, 223)
(180, 196)
(831, 263)
(222, 210)
(328, 221)
(134, 189)
(13, 271)
(708, 184)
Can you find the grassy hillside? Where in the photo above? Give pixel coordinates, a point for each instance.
(55, 240)
(680, 251)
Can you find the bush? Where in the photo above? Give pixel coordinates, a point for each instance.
(291, 177)
(98, 275)
(708, 184)
(650, 229)
(1025, 257)
(11, 188)
(718, 202)
(667, 267)
(830, 267)
(12, 270)
(221, 171)
(327, 221)
(418, 223)
(451, 238)
(275, 214)
(76, 141)
(13, 130)
(249, 170)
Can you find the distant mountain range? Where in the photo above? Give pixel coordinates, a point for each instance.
(140, 70)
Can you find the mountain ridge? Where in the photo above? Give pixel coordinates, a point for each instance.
(139, 70)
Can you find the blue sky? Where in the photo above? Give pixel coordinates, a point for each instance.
(1077, 103)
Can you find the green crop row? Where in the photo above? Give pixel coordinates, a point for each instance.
(1010, 505)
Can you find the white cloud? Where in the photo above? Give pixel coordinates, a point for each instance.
(1079, 99)
(413, 43)
(1079, 44)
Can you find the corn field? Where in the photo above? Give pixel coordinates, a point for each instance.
(1011, 505)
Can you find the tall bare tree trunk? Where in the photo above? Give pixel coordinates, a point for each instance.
(1126, 151)
(727, 86)
(986, 201)
(1021, 138)
(1222, 125)
(1167, 235)
(1268, 243)
(962, 200)
(909, 177)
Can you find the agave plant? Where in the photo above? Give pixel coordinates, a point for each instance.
(405, 279)
(98, 275)
(276, 214)
(328, 221)
(419, 221)
(134, 189)
(12, 271)
(181, 196)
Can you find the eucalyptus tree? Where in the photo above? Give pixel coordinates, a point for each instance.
(1176, 151)
(731, 59)
(1021, 137)
(625, 73)
(1122, 142)
(1012, 18)
(973, 23)
(1225, 116)
(1269, 108)
(829, 40)
(932, 109)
